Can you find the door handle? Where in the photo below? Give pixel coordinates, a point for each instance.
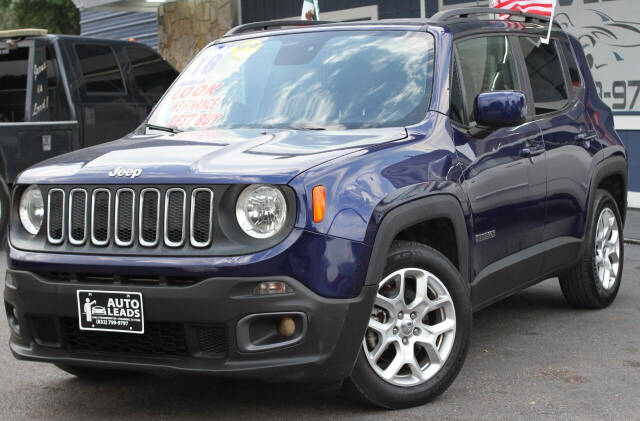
(530, 152)
(586, 136)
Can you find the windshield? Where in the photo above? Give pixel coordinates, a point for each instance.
(313, 80)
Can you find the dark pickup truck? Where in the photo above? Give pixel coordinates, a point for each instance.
(59, 93)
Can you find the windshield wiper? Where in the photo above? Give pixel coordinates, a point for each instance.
(290, 127)
(307, 128)
(169, 129)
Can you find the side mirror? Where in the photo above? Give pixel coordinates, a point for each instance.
(500, 109)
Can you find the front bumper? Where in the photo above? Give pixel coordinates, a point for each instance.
(326, 352)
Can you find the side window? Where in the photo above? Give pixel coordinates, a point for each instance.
(14, 64)
(545, 72)
(100, 69)
(457, 103)
(151, 74)
(487, 64)
(572, 65)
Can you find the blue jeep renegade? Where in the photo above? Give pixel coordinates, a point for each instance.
(325, 203)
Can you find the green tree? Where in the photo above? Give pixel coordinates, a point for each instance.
(57, 16)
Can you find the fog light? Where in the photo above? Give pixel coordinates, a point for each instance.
(286, 326)
(271, 288)
(13, 318)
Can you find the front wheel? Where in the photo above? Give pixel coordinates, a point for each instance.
(418, 332)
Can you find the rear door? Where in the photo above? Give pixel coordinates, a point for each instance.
(108, 108)
(555, 89)
(506, 189)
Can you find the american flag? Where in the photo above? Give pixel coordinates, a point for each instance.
(538, 7)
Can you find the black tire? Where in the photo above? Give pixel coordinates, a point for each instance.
(581, 285)
(93, 373)
(367, 386)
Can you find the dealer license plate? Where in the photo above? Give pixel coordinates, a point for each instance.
(110, 311)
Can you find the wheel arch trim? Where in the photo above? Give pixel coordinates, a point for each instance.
(412, 213)
(613, 165)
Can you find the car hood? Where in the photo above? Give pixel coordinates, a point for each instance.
(215, 156)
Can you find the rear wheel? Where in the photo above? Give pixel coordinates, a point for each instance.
(595, 280)
(418, 332)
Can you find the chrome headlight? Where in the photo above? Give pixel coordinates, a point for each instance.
(261, 210)
(31, 209)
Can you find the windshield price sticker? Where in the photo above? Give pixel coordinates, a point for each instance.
(110, 311)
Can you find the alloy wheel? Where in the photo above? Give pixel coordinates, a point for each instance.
(411, 329)
(607, 249)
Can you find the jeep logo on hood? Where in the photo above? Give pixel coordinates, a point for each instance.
(125, 172)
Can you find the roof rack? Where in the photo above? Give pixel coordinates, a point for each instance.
(19, 33)
(263, 26)
(466, 12)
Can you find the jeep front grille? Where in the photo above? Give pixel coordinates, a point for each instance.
(149, 218)
(125, 217)
(130, 217)
(55, 225)
(77, 216)
(174, 210)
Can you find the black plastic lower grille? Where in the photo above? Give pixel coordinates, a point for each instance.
(212, 339)
(159, 339)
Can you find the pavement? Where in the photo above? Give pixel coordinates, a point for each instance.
(531, 357)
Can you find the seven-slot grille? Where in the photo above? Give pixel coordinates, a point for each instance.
(124, 216)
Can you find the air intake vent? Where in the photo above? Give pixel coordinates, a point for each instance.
(159, 339)
(77, 216)
(174, 210)
(201, 217)
(55, 218)
(100, 214)
(125, 217)
(149, 217)
(212, 340)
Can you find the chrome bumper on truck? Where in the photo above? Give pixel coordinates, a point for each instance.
(214, 326)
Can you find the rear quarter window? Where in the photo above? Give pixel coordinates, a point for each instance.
(572, 66)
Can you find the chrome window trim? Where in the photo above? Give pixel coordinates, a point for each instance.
(195, 243)
(140, 239)
(69, 227)
(94, 241)
(119, 242)
(168, 242)
(64, 200)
